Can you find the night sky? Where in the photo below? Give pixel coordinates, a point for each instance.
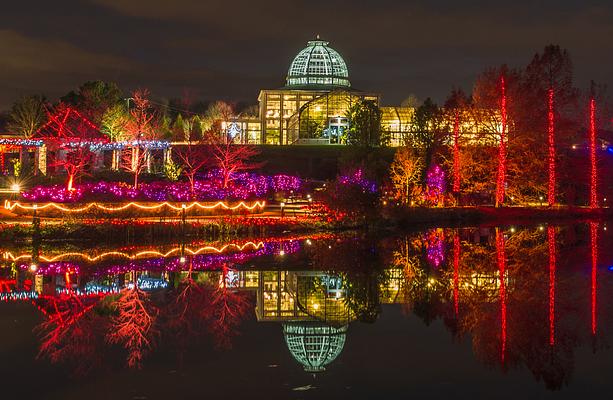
(232, 49)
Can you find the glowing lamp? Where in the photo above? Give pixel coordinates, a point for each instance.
(15, 187)
(182, 260)
(33, 267)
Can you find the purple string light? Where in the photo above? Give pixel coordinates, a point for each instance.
(243, 186)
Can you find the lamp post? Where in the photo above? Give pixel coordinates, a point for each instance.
(282, 205)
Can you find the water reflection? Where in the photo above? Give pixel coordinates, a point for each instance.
(525, 297)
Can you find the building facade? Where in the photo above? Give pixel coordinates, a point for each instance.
(313, 105)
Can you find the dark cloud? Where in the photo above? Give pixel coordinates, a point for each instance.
(231, 49)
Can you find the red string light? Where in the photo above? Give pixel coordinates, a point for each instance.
(551, 241)
(456, 265)
(501, 260)
(60, 118)
(456, 153)
(593, 161)
(502, 151)
(551, 193)
(594, 253)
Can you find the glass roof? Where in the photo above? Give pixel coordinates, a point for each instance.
(314, 345)
(318, 65)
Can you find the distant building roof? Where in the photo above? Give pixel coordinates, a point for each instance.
(318, 66)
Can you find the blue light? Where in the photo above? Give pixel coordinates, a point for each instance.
(610, 149)
(611, 268)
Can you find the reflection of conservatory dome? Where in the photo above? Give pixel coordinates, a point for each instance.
(318, 65)
(314, 345)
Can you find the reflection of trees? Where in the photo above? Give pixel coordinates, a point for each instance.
(479, 283)
(360, 261)
(70, 333)
(227, 308)
(133, 326)
(186, 310)
(363, 294)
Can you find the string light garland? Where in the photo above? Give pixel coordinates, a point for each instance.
(60, 119)
(102, 145)
(14, 296)
(140, 254)
(21, 142)
(8, 205)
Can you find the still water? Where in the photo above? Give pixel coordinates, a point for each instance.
(502, 312)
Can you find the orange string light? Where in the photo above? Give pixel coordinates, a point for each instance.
(252, 245)
(220, 204)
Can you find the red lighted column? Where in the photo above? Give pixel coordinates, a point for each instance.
(551, 193)
(502, 151)
(501, 261)
(551, 241)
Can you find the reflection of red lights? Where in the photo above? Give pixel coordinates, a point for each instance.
(551, 193)
(502, 151)
(594, 252)
(501, 261)
(551, 241)
(456, 265)
(6, 284)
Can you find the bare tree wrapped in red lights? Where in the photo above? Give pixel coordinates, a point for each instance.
(70, 135)
(76, 161)
(134, 325)
(230, 157)
(194, 157)
(140, 126)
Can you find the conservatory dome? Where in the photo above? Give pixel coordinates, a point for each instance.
(318, 65)
(314, 345)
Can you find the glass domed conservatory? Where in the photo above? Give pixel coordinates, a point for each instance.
(314, 345)
(318, 64)
(311, 108)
